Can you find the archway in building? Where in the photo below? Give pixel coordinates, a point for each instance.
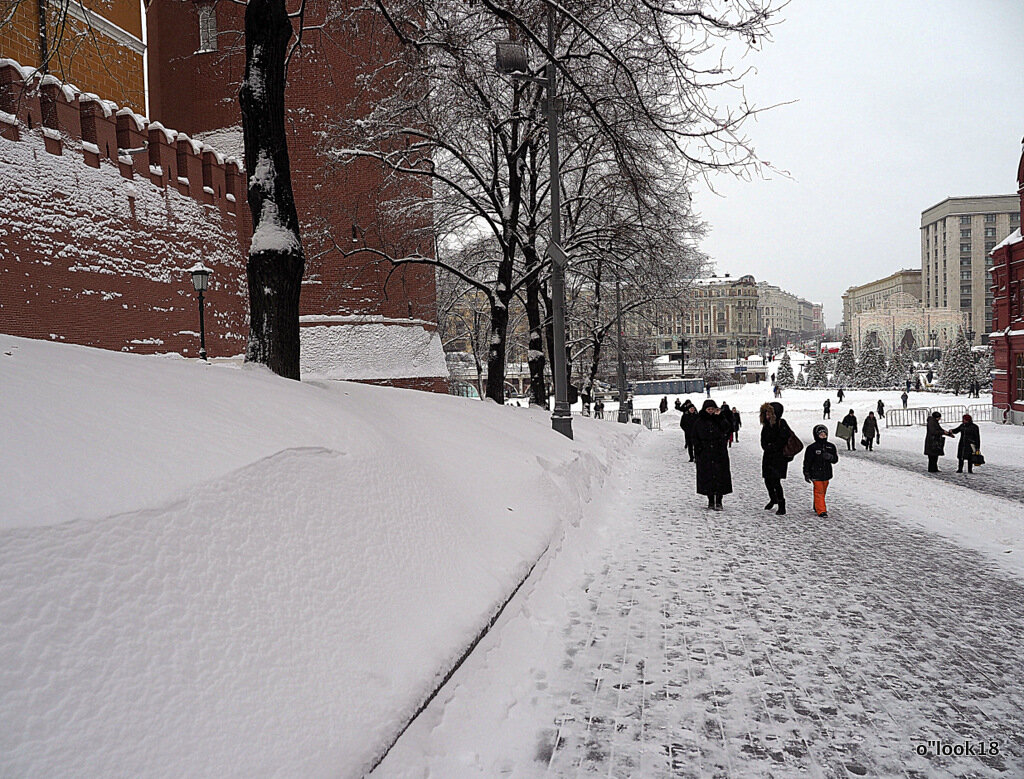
(871, 340)
(908, 341)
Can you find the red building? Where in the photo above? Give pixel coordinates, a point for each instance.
(1008, 319)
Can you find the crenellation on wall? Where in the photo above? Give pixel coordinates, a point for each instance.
(103, 131)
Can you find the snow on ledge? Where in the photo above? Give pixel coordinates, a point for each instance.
(1009, 240)
(370, 351)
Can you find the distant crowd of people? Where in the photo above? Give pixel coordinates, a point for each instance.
(711, 431)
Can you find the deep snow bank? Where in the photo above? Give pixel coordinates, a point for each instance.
(210, 570)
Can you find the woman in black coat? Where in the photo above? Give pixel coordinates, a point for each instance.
(934, 443)
(970, 442)
(710, 436)
(689, 416)
(775, 435)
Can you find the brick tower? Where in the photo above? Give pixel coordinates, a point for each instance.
(357, 322)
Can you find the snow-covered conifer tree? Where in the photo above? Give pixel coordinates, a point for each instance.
(957, 365)
(785, 373)
(871, 369)
(845, 365)
(816, 376)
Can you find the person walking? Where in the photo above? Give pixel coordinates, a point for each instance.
(710, 434)
(870, 431)
(904, 397)
(840, 395)
(917, 384)
(775, 435)
(736, 424)
(934, 442)
(969, 443)
(663, 406)
(727, 416)
(686, 423)
(599, 409)
(827, 407)
(850, 420)
(880, 408)
(819, 457)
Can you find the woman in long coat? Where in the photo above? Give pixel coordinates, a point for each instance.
(969, 443)
(686, 421)
(774, 463)
(934, 442)
(710, 437)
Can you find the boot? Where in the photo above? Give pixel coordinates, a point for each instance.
(770, 505)
(718, 502)
(711, 501)
(782, 507)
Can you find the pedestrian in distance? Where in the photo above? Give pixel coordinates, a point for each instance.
(905, 396)
(850, 420)
(870, 431)
(663, 406)
(840, 395)
(827, 409)
(710, 435)
(969, 444)
(599, 409)
(935, 441)
(727, 415)
(686, 421)
(736, 424)
(917, 384)
(907, 390)
(678, 405)
(775, 435)
(880, 408)
(819, 457)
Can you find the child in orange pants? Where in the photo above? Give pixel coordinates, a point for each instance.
(819, 456)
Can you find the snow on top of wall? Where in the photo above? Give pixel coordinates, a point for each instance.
(25, 72)
(358, 319)
(1012, 238)
(44, 195)
(228, 139)
(371, 351)
(140, 121)
(170, 135)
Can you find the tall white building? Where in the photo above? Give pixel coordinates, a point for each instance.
(957, 235)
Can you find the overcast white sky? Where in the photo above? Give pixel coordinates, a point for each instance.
(899, 105)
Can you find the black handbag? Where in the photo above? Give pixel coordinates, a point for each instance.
(977, 458)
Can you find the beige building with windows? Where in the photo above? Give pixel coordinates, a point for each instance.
(783, 317)
(722, 313)
(874, 295)
(957, 236)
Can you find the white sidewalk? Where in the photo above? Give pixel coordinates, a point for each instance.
(666, 640)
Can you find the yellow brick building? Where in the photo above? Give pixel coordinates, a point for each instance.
(97, 46)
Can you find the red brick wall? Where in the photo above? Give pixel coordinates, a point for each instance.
(1008, 313)
(93, 248)
(198, 93)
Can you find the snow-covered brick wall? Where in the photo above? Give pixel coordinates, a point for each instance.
(94, 241)
(371, 351)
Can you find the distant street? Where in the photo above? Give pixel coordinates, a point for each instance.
(745, 644)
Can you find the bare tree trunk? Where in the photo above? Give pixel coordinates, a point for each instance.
(499, 334)
(536, 360)
(276, 261)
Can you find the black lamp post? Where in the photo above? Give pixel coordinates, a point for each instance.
(683, 343)
(512, 60)
(201, 281)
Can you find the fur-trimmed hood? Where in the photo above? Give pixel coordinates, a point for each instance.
(771, 413)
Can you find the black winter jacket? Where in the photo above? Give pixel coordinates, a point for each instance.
(774, 436)
(970, 436)
(818, 459)
(851, 422)
(935, 438)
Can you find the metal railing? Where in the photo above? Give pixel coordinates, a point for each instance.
(905, 417)
(649, 418)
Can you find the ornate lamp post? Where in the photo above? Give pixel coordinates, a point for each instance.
(512, 60)
(201, 281)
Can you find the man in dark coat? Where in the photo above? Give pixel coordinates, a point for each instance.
(827, 406)
(736, 424)
(775, 434)
(663, 406)
(850, 420)
(819, 456)
(710, 435)
(686, 423)
(870, 431)
(840, 394)
(970, 442)
(904, 396)
(881, 409)
(934, 442)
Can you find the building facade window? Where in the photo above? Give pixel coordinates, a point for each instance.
(1020, 377)
(207, 28)
(965, 248)
(965, 220)
(965, 233)
(990, 232)
(990, 218)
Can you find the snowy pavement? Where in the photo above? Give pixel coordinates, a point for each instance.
(683, 642)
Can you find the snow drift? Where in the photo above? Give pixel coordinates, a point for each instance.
(206, 569)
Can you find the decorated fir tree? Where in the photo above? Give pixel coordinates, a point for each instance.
(983, 370)
(896, 370)
(816, 376)
(845, 365)
(957, 365)
(785, 373)
(870, 371)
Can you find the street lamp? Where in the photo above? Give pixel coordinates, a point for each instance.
(739, 345)
(623, 412)
(512, 60)
(683, 343)
(201, 281)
